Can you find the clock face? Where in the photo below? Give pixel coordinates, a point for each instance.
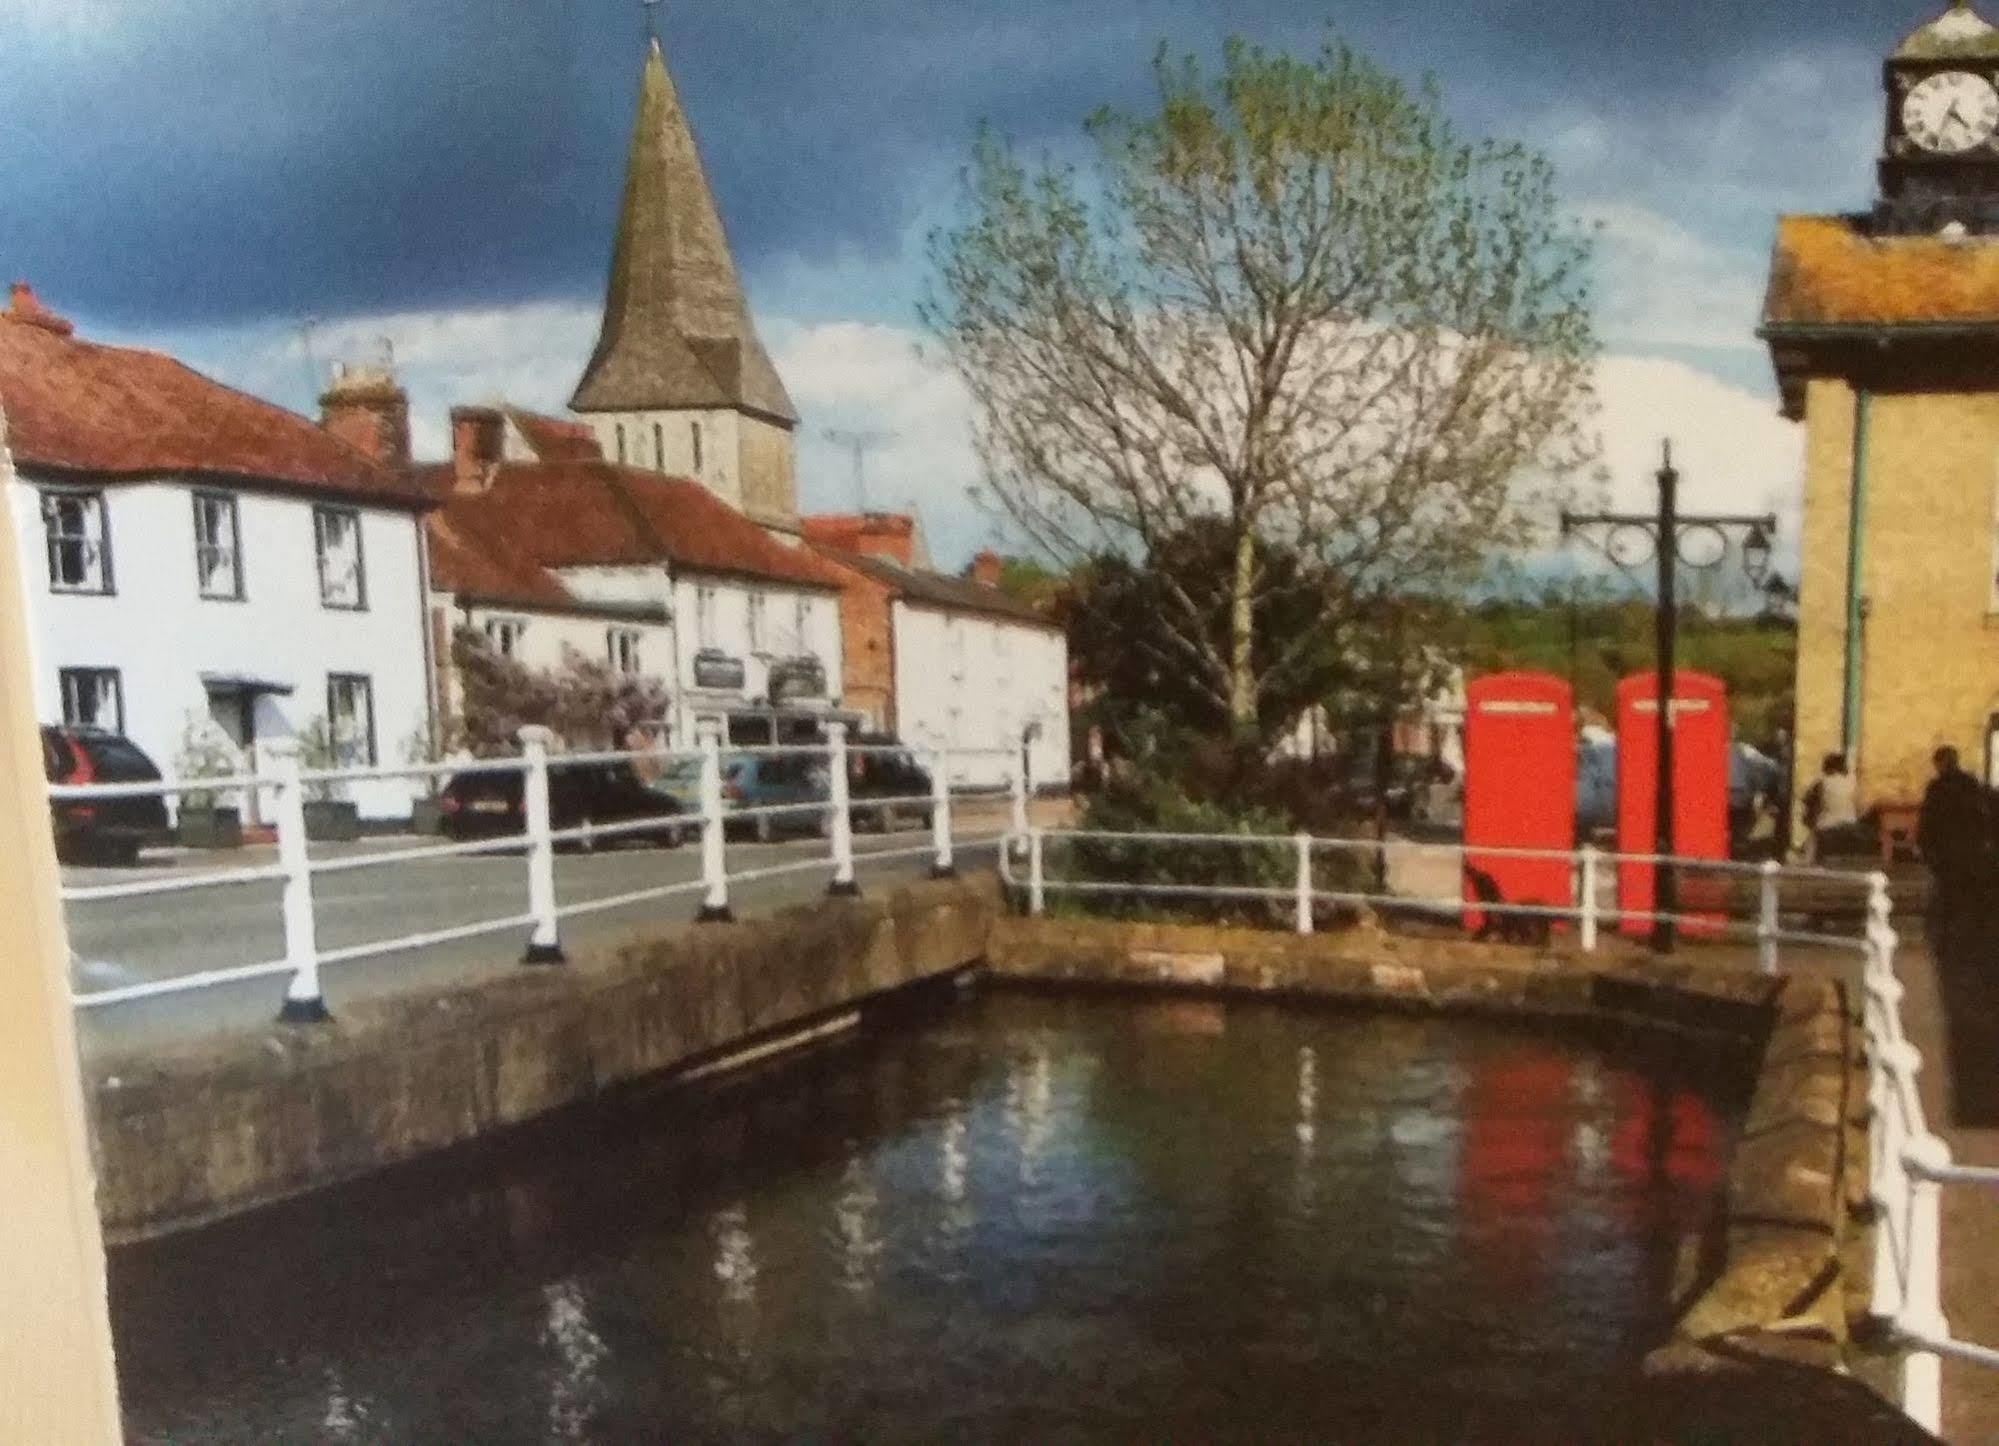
(1951, 112)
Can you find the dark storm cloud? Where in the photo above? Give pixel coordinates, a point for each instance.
(182, 162)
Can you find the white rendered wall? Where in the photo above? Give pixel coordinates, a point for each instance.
(162, 635)
(731, 634)
(974, 681)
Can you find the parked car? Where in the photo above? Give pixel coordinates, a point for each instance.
(755, 781)
(485, 805)
(881, 776)
(108, 830)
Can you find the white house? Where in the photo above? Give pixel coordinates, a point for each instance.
(195, 556)
(969, 665)
(654, 574)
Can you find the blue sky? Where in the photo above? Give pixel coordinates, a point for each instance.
(204, 175)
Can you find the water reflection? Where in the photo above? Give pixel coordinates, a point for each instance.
(1028, 1218)
(578, 1350)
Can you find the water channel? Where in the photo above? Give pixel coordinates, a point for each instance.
(1015, 1217)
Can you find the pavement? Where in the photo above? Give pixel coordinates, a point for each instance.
(1951, 1013)
(116, 942)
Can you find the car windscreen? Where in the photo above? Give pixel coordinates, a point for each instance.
(118, 761)
(682, 770)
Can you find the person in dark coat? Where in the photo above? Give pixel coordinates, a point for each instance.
(1954, 832)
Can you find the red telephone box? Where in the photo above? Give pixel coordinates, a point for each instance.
(1700, 792)
(1520, 789)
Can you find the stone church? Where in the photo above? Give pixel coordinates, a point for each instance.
(1883, 327)
(679, 382)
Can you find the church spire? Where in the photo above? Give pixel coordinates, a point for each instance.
(676, 330)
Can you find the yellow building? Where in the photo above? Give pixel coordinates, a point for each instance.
(1884, 331)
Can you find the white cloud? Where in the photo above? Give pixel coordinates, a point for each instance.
(1662, 285)
(1735, 452)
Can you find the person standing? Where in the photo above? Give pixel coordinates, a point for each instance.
(1954, 832)
(1832, 807)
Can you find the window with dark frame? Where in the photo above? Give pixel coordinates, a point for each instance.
(93, 698)
(79, 541)
(350, 718)
(505, 635)
(758, 642)
(696, 426)
(704, 617)
(658, 447)
(621, 444)
(624, 650)
(218, 546)
(337, 540)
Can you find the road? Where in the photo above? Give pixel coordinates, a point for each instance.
(117, 942)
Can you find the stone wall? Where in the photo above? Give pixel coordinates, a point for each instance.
(243, 1121)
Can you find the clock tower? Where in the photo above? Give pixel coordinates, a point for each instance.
(1883, 328)
(1940, 159)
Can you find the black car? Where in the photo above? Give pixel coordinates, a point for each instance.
(483, 805)
(884, 776)
(101, 830)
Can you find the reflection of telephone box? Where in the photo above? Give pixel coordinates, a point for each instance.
(1520, 790)
(1700, 793)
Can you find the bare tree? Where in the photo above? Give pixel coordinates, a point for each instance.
(1293, 301)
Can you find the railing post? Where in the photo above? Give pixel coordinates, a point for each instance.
(1586, 886)
(940, 813)
(1922, 1307)
(714, 867)
(304, 1003)
(1766, 917)
(1019, 790)
(1304, 910)
(842, 819)
(1035, 890)
(544, 942)
(1889, 1190)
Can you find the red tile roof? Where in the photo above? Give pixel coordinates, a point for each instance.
(582, 514)
(889, 534)
(121, 413)
(934, 589)
(556, 439)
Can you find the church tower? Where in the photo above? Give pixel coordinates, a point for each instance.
(679, 381)
(1883, 328)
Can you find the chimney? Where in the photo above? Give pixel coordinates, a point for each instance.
(478, 438)
(986, 568)
(366, 409)
(24, 306)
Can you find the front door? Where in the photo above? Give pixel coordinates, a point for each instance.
(235, 713)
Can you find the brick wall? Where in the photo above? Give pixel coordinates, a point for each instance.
(1930, 642)
(867, 644)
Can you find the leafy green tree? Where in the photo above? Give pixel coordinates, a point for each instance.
(1291, 308)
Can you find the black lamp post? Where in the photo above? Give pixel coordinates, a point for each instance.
(1625, 538)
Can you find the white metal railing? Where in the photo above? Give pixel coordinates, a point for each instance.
(1908, 1163)
(1908, 1166)
(1585, 905)
(288, 785)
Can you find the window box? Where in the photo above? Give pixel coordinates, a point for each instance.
(208, 826)
(332, 820)
(427, 815)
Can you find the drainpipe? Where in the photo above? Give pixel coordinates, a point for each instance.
(1856, 554)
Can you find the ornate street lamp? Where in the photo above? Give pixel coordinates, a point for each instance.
(1629, 540)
